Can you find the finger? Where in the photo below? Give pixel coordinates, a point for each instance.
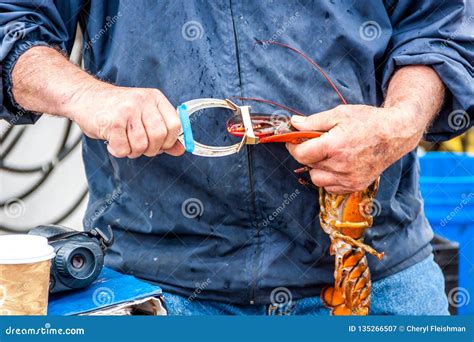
(322, 121)
(171, 118)
(322, 178)
(331, 165)
(155, 128)
(311, 151)
(176, 151)
(118, 145)
(136, 136)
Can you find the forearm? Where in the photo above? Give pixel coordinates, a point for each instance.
(135, 121)
(418, 92)
(45, 81)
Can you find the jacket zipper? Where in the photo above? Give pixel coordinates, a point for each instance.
(249, 158)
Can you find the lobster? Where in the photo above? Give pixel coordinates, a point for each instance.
(345, 218)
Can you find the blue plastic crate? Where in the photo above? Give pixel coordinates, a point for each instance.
(447, 186)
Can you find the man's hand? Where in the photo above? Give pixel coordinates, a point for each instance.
(134, 121)
(362, 141)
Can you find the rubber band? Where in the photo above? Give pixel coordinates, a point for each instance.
(186, 126)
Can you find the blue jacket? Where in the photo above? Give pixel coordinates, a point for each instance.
(242, 224)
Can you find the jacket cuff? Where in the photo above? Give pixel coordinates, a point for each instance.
(11, 111)
(454, 117)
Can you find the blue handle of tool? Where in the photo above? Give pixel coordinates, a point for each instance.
(186, 126)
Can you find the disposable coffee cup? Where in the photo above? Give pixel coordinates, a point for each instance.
(25, 263)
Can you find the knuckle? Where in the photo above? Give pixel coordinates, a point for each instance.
(175, 124)
(158, 134)
(162, 131)
(355, 185)
(329, 149)
(141, 145)
(157, 95)
(168, 143)
(150, 153)
(119, 152)
(160, 122)
(126, 109)
(311, 118)
(118, 124)
(342, 111)
(174, 129)
(362, 186)
(314, 178)
(296, 153)
(137, 97)
(156, 92)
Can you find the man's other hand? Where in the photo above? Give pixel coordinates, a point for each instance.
(134, 121)
(360, 143)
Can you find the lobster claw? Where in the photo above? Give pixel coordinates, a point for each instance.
(270, 129)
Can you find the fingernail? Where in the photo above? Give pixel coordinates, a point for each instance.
(302, 169)
(298, 119)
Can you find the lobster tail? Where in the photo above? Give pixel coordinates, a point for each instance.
(345, 218)
(350, 294)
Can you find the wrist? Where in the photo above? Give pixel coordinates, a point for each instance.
(89, 91)
(410, 113)
(406, 123)
(416, 93)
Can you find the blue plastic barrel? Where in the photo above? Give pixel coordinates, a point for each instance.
(447, 187)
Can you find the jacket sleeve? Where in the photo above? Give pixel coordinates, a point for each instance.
(438, 34)
(28, 23)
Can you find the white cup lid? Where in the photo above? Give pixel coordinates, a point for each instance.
(24, 249)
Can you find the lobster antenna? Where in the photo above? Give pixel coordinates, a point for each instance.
(294, 111)
(308, 59)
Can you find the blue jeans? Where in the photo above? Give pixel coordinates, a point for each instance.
(417, 290)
